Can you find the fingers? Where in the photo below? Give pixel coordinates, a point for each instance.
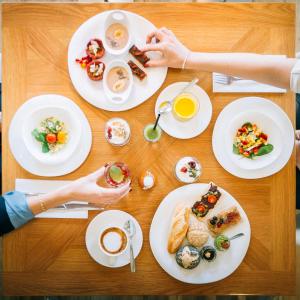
(157, 34)
(152, 47)
(156, 63)
(95, 176)
(117, 193)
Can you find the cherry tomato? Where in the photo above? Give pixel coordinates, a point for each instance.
(201, 208)
(212, 199)
(183, 169)
(264, 136)
(246, 153)
(244, 143)
(241, 150)
(255, 150)
(51, 138)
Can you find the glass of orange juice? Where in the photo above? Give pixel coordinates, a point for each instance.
(185, 107)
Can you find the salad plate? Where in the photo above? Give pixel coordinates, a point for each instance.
(28, 118)
(116, 218)
(93, 91)
(190, 128)
(225, 262)
(271, 119)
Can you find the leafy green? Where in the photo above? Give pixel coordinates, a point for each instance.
(235, 149)
(45, 147)
(265, 150)
(39, 136)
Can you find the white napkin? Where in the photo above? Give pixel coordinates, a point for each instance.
(44, 186)
(245, 86)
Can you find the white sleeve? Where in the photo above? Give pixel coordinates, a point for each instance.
(295, 77)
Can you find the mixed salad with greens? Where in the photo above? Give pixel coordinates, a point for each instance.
(51, 134)
(250, 141)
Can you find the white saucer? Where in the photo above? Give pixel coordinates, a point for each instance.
(225, 263)
(275, 113)
(24, 157)
(92, 91)
(111, 218)
(191, 128)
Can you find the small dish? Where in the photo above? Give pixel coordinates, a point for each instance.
(116, 174)
(188, 169)
(117, 132)
(72, 125)
(117, 81)
(117, 34)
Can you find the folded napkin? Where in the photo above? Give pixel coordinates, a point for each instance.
(243, 85)
(45, 186)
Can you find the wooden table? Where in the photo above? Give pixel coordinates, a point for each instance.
(48, 257)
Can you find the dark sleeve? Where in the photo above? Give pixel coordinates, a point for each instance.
(5, 223)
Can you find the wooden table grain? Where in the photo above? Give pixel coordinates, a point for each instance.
(47, 256)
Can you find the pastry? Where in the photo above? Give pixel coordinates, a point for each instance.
(218, 223)
(197, 234)
(139, 55)
(207, 202)
(136, 70)
(179, 228)
(95, 49)
(188, 257)
(95, 70)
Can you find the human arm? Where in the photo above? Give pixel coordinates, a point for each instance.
(274, 70)
(17, 209)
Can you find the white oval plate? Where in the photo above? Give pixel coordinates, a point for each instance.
(191, 128)
(92, 91)
(24, 157)
(253, 104)
(104, 220)
(225, 263)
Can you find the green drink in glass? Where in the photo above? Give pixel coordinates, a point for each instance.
(151, 134)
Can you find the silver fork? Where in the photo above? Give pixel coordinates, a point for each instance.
(225, 79)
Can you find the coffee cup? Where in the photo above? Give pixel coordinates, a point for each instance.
(113, 242)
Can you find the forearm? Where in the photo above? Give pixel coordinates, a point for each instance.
(263, 68)
(38, 204)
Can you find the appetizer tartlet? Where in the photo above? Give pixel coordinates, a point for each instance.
(223, 220)
(207, 202)
(95, 49)
(95, 70)
(52, 135)
(251, 142)
(188, 257)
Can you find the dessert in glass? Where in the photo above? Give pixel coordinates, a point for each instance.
(117, 132)
(117, 174)
(151, 134)
(188, 169)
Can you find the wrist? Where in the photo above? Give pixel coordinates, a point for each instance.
(189, 64)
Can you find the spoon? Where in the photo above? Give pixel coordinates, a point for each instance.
(167, 105)
(236, 236)
(130, 229)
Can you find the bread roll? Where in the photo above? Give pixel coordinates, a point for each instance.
(197, 234)
(179, 228)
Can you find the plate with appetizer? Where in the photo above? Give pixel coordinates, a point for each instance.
(257, 141)
(197, 230)
(191, 111)
(106, 65)
(49, 135)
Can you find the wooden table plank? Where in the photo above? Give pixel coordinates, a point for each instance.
(36, 38)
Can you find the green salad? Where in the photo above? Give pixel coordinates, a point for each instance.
(52, 135)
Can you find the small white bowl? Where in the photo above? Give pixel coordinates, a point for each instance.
(117, 98)
(117, 16)
(72, 124)
(268, 126)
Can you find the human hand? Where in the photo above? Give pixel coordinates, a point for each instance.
(174, 53)
(87, 189)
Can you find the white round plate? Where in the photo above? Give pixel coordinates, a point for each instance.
(275, 113)
(92, 91)
(24, 157)
(106, 219)
(225, 263)
(187, 129)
